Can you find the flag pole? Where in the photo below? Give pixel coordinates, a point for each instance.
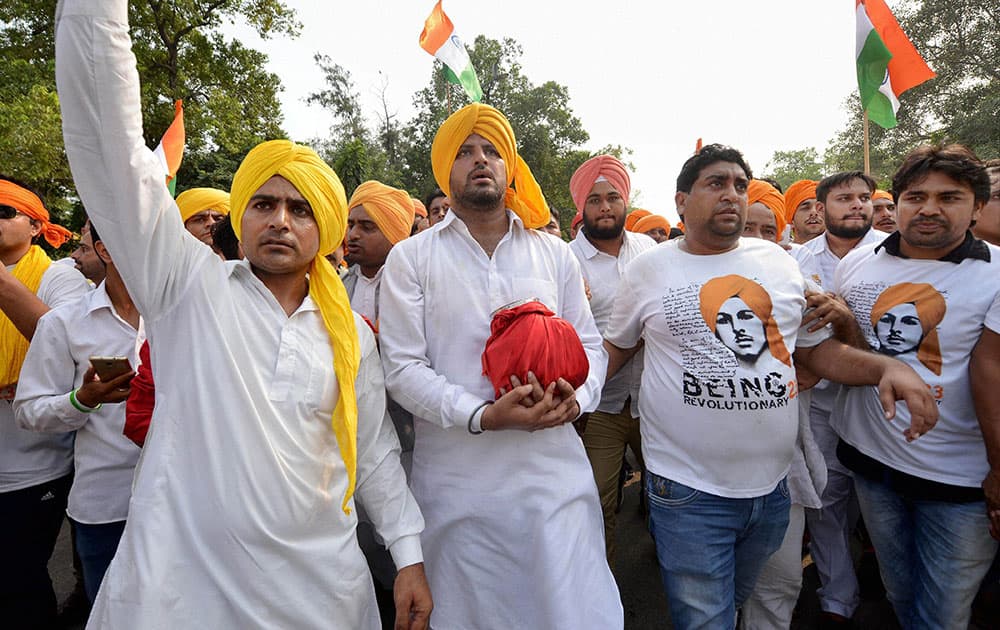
(868, 168)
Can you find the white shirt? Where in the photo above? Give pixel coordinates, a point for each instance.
(364, 298)
(953, 452)
(602, 273)
(498, 505)
(235, 519)
(828, 261)
(710, 420)
(104, 459)
(807, 262)
(28, 458)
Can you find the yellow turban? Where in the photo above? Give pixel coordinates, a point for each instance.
(390, 208)
(881, 194)
(525, 198)
(195, 200)
(802, 190)
(765, 193)
(419, 209)
(633, 217)
(321, 187)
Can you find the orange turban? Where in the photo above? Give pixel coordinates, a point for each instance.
(802, 190)
(633, 217)
(577, 219)
(525, 198)
(651, 222)
(930, 307)
(28, 203)
(419, 209)
(716, 291)
(195, 200)
(881, 194)
(390, 208)
(607, 166)
(761, 191)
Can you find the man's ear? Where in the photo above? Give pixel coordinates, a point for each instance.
(102, 252)
(680, 198)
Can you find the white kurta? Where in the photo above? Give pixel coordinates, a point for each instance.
(514, 536)
(235, 519)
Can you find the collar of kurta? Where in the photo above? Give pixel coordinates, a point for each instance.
(971, 247)
(450, 219)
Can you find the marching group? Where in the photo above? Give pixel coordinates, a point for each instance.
(311, 409)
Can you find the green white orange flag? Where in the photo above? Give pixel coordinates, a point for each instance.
(171, 147)
(439, 39)
(888, 63)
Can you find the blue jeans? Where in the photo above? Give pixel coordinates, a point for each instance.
(711, 549)
(932, 555)
(96, 545)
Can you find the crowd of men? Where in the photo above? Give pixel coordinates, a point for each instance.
(311, 439)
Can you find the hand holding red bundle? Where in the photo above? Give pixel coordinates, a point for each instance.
(529, 338)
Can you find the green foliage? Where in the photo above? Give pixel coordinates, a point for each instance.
(230, 102)
(960, 40)
(787, 167)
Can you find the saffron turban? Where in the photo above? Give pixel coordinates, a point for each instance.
(633, 217)
(28, 203)
(321, 187)
(802, 190)
(419, 209)
(607, 166)
(761, 191)
(651, 222)
(195, 200)
(527, 338)
(930, 307)
(881, 194)
(390, 208)
(577, 220)
(525, 198)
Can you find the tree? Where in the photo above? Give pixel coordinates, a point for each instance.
(230, 102)
(787, 167)
(960, 39)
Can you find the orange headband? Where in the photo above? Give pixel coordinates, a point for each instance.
(28, 203)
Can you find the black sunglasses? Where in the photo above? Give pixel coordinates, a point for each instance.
(8, 212)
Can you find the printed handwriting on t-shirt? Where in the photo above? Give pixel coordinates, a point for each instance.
(701, 352)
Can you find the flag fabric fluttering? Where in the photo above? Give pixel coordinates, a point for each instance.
(888, 63)
(170, 151)
(439, 39)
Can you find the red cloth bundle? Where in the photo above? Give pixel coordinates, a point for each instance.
(529, 337)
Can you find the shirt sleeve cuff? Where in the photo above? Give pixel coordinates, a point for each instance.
(406, 551)
(464, 407)
(476, 424)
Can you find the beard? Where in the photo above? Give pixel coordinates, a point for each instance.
(849, 232)
(480, 197)
(603, 234)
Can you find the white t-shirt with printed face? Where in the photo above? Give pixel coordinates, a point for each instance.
(717, 402)
(928, 314)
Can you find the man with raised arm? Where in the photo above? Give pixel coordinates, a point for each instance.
(242, 507)
(514, 535)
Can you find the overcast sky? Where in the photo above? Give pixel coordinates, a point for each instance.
(652, 76)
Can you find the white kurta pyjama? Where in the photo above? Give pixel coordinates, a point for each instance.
(235, 519)
(514, 536)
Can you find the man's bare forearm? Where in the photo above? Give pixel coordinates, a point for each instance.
(617, 357)
(841, 363)
(20, 305)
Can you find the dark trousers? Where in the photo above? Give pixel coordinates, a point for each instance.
(30, 519)
(96, 545)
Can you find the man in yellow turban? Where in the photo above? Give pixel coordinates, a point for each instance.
(242, 510)
(201, 209)
(483, 466)
(633, 217)
(883, 212)
(655, 226)
(32, 465)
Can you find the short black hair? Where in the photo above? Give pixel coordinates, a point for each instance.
(675, 233)
(94, 236)
(224, 238)
(839, 179)
(954, 160)
(709, 154)
(431, 197)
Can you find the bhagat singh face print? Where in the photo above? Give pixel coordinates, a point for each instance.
(905, 318)
(738, 311)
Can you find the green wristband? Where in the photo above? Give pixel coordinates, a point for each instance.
(79, 405)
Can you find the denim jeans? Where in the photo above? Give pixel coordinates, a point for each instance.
(96, 545)
(932, 555)
(711, 549)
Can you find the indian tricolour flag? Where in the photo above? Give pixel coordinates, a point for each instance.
(888, 64)
(439, 39)
(171, 147)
